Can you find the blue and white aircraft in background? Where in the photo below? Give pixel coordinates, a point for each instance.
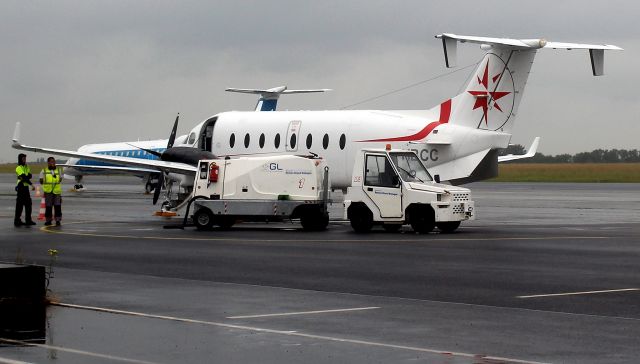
(77, 168)
(458, 140)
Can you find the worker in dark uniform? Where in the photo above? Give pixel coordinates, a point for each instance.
(51, 180)
(23, 173)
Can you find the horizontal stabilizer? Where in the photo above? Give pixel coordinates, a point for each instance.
(269, 98)
(596, 51)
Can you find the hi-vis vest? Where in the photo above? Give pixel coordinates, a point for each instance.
(52, 181)
(20, 170)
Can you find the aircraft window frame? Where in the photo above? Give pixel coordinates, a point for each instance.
(276, 141)
(309, 141)
(325, 141)
(293, 140)
(343, 141)
(247, 140)
(261, 141)
(232, 140)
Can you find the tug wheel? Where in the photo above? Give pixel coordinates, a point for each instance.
(448, 226)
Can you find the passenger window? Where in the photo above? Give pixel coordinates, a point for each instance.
(379, 172)
(276, 141)
(247, 139)
(309, 141)
(261, 141)
(232, 140)
(325, 141)
(343, 141)
(292, 141)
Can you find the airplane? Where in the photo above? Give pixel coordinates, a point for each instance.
(77, 168)
(458, 140)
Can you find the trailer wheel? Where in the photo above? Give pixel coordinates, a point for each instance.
(448, 226)
(361, 219)
(203, 219)
(422, 220)
(314, 220)
(391, 228)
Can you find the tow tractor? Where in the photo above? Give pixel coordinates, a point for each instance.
(392, 188)
(266, 188)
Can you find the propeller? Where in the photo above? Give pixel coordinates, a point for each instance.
(172, 137)
(156, 192)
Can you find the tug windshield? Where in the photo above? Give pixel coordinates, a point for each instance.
(410, 167)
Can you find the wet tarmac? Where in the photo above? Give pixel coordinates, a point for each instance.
(548, 273)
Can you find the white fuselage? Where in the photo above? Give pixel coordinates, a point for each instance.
(337, 136)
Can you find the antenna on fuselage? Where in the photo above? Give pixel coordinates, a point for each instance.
(269, 98)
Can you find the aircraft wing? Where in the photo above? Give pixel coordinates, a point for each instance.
(109, 168)
(155, 165)
(530, 153)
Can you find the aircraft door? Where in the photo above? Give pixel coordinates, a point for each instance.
(382, 185)
(293, 136)
(208, 138)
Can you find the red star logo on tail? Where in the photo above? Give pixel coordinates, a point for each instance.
(482, 97)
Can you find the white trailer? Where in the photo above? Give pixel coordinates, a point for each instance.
(392, 188)
(266, 188)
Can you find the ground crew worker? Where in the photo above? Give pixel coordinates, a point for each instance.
(51, 180)
(23, 172)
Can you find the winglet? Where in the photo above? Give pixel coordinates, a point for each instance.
(531, 152)
(16, 136)
(533, 149)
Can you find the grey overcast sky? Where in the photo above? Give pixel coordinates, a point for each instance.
(78, 72)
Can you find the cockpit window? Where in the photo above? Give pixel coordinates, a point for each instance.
(410, 167)
(192, 138)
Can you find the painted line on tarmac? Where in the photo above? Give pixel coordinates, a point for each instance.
(76, 351)
(426, 237)
(579, 293)
(305, 312)
(11, 361)
(299, 334)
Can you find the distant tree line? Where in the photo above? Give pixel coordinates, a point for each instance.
(595, 156)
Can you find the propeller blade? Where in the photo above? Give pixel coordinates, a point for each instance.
(156, 192)
(157, 154)
(172, 137)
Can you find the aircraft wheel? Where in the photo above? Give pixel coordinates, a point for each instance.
(149, 187)
(391, 228)
(448, 226)
(361, 220)
(203, 219)
(422, 220)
